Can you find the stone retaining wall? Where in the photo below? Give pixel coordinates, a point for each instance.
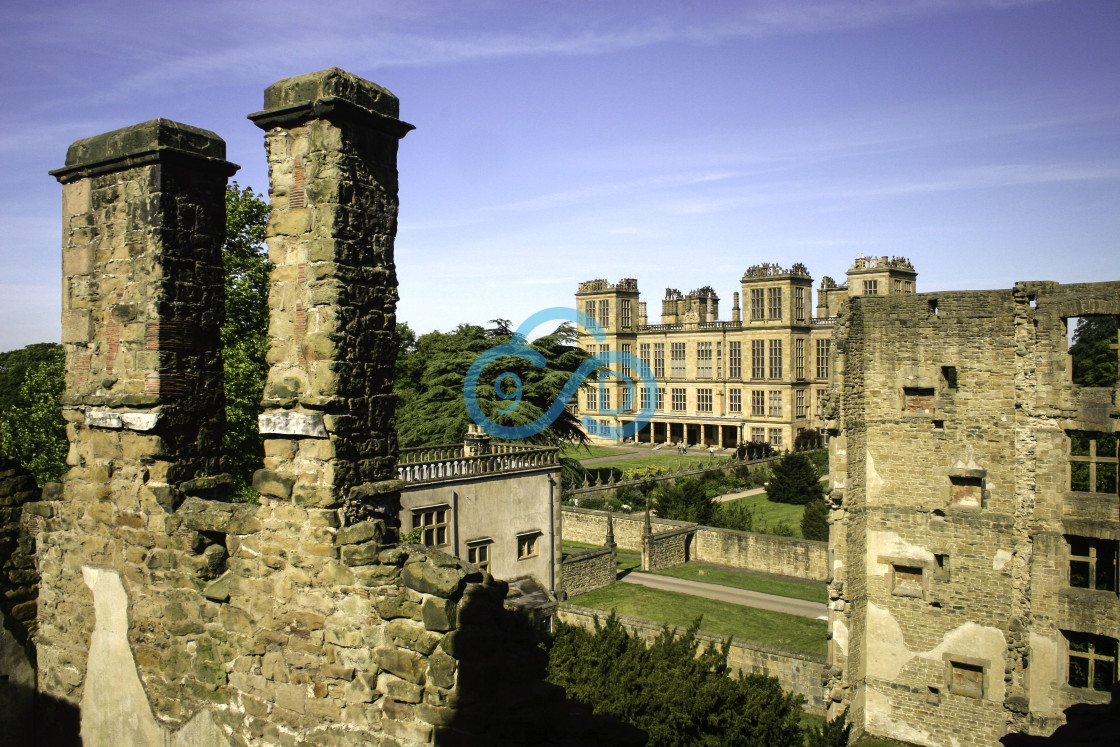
(588, 570)
(797, 671)
(760, 553)
(667, 549)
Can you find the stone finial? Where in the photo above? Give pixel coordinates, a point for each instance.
(647, 528)
(610, 529)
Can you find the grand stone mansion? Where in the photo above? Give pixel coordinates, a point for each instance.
(759, 377)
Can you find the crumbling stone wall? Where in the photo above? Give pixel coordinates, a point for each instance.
(950, 588)
(167, 616)
(19, 584)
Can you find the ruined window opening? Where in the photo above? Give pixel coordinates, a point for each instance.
(966, 492)
(966, 679)
(942, 561)
(432, 521)
(527, 545)
(1092, 462)
(949, 373)
(933, 306)
(1092, 660)
(940, 424)
(933, 697)
(478, 552)
(1093, 349)
(1093, 562)
(1033, 301)
(918, 400)
(907, 580)
(938, 514)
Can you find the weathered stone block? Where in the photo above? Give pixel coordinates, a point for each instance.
(427, 578)
(408, 665)
(267, 482)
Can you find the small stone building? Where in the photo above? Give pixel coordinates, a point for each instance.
(495, 505)
(975, 515)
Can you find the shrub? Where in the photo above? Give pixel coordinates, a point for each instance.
(814, 522)
(795, 480)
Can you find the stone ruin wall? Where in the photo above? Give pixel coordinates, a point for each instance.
(970, 484)
(167, 616)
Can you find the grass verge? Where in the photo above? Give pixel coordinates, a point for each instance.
(714, 574)
(591, 451)
(768, 514)
(720, 618)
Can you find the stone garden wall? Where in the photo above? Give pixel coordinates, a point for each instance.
(760, 553)
(589, 570)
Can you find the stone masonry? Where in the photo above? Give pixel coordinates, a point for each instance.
(167, 616)
(973, 563)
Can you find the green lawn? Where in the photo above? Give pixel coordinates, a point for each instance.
(671, 460)
(720, 618)
(714, 574)
(591, 451)
(770, 514)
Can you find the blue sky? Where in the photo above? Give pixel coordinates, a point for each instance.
(675, 142)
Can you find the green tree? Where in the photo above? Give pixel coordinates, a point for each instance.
(31, 427)
(687, 500)
(431, 369)
(794, 480)
(814, 522)
(1094, 361)
(677, 693)
(834, 733)
(244, 332)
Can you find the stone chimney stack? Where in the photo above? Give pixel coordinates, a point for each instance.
(332, 155)
(735, 317)
(643, 319)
